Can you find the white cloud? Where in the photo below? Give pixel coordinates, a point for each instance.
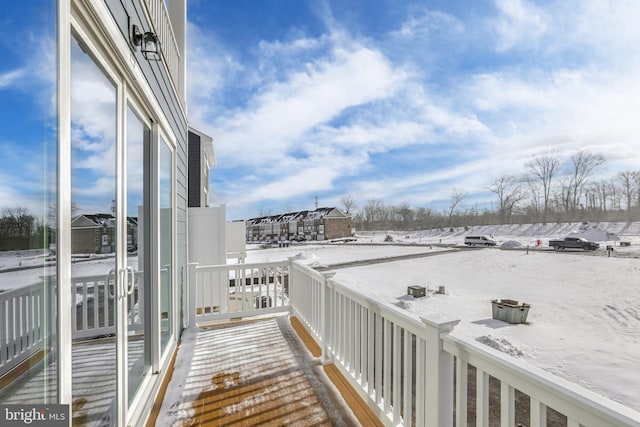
(424, 23)
(519, 22)
(10, 77)
(320, 92)
(209, 69)
(298, 183)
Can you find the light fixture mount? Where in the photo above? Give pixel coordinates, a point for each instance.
(148, 43)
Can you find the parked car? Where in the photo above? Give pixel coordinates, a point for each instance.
(574, 243)
(299, 239)
(479, 240)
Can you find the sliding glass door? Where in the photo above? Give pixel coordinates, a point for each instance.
(111, 245)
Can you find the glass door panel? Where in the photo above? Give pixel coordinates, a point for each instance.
(94, 269)
(166, 243)
(137, 142)
(28, 193)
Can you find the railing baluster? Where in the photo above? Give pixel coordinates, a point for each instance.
(538, 413)
(482, 398)
(379, 334)
(507, 405)
(4, 324)
(462, 376)
(420, 378)
(357, 342)
(396, 372)
(407, 378)
(371, 352)
(387, 359)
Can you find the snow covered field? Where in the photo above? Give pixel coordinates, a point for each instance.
(584, 321)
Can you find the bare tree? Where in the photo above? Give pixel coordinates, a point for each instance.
(509, 192)
(406, 214)
(626, 181)
(585, 165)
(457, 196)
(372, 211)
(533, 192)
(17, 225)
(348, 203)
(544, 168)
(636, 183)
(425, 218)
(615, 193)
(601, 193)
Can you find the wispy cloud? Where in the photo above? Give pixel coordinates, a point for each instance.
(518, 22)
(10, 77)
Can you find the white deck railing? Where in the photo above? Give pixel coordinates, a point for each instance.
(237, 290)
(409, 370)
(25, 317)
(23, 325)
(95, 306)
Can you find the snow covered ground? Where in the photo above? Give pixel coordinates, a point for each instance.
(584, 321)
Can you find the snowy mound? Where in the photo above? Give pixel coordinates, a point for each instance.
(595, 234)
(301, 256)
(500, 344)
(316, 264)
(511, 244)
(403, 304)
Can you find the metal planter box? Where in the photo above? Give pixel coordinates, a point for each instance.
(416, 291)
(509, 311)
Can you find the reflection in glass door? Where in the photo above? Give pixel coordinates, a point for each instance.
(166, 245)
(94, 267)
(138, 137)
(29, 338)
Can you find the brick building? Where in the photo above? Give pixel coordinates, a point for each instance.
(319, 224)
(95, 234)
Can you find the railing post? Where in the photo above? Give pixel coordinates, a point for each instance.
(325, 310)
(438, 373)
(192, 280)
(291, 281)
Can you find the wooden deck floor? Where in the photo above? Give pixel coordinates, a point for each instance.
(250, 374)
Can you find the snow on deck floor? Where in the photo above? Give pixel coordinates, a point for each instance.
(254, 373)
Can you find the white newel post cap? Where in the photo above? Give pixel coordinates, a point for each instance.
(442, 323)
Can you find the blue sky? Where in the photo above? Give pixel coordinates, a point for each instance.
(397, 101)
(406, 101)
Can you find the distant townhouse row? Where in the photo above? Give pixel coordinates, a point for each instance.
(319, 224)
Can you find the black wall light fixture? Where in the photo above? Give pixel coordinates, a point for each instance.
(148, 43)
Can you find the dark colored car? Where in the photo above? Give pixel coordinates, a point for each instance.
(573, 243)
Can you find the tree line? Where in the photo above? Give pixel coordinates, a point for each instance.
(551, 189)
(20, 229)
